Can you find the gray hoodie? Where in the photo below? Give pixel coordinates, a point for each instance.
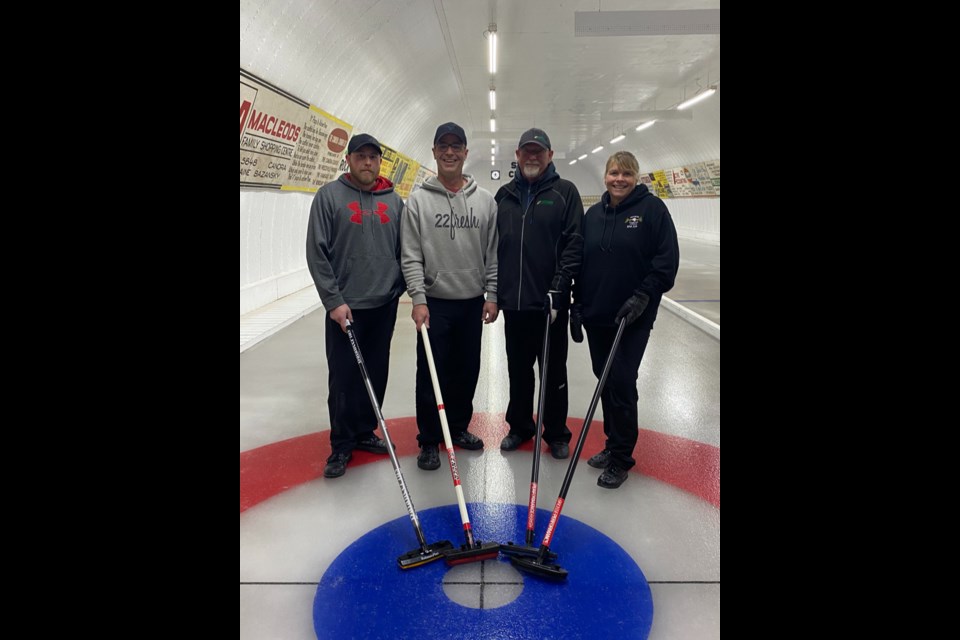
(449, 242)
(353, 244)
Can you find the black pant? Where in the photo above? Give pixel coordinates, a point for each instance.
(524, 336)
(351, 414)
(455, 330)
(619, 396)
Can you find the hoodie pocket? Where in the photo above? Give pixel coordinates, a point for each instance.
(462, 282)
(369, 277)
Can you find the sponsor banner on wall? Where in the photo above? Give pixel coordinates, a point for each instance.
(287, 143)
(399, 169)
(680, 184)
(661, 185)
(692, 181)
(713, 169)
(700, 176)
(422, 174)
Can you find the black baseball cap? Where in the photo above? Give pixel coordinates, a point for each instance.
(536, 136)
(450, 127)
(363, 140)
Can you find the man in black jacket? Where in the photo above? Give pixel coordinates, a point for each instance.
(539, 253)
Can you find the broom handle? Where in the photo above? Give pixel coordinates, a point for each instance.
(447, 440)
(558, 507)
(386, 436)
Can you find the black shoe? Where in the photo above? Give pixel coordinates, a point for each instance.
(429, 458)
(372, 443)
(559, 450)
(601, 460)
(612, 477)
(512, 441)
(467, 440)
(336, 465)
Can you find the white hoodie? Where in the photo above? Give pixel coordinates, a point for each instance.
(448, 242)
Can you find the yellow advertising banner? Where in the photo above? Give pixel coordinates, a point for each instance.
(399, 169)
(286, 143)
(661, 186)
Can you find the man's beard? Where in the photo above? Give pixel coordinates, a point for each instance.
(531, 171)
(366, 179)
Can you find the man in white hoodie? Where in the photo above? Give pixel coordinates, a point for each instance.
(449, 261)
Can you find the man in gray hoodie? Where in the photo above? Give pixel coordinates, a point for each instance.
(353, 253)
(449, 260)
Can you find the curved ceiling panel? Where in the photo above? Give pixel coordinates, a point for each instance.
(398, 69)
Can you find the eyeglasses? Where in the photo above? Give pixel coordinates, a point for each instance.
(443, 147)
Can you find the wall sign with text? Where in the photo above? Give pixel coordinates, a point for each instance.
(286, 143)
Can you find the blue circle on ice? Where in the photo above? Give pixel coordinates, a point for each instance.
(364, 594)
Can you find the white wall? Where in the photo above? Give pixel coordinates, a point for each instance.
(696, 218)
(273, 231)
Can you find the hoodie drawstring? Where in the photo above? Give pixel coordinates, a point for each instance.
(613, 228)
(363, 222)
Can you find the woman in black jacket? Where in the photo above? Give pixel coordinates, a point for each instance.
(630, 259)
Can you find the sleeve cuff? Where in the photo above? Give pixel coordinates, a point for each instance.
(333, 302)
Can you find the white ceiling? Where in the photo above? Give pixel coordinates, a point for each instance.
(399, 68)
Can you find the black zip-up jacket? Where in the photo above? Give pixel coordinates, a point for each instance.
(540, 245)
(629, 248)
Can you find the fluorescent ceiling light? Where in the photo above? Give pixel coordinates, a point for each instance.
(493, 51)
(597, 149)
(574, 161)
(618, 139)
(582, 157)
(697, 98)
(646, 125)
(493, 125)
(493, 99)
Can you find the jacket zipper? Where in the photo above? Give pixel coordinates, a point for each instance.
(523, 228)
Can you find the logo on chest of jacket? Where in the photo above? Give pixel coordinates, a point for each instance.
(539, 202)
(358, 213)
(633, 222)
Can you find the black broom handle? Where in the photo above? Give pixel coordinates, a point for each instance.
(535, 472)
(593, 408)
(558, 507)
(386, 436)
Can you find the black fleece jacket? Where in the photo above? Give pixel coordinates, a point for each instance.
(628, 248)
(540, 246)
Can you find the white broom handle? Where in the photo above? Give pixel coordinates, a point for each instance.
(447, 440)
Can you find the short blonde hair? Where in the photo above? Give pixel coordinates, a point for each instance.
(624, 160)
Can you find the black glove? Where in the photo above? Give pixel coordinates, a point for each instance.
(576, 323)
(632, 308)
(553, 303)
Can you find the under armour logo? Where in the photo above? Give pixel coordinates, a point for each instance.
(358, 213)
